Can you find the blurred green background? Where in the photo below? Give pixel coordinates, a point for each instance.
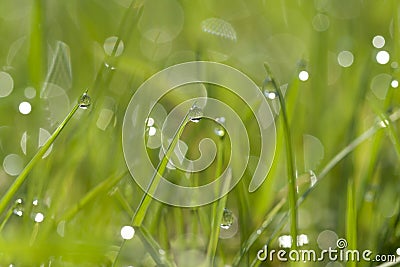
(73, 204)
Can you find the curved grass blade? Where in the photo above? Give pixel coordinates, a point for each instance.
(291, 169)
(36, 158)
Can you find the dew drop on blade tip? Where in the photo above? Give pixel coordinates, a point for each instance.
(227, 219)
(195, 114)
(84, 101)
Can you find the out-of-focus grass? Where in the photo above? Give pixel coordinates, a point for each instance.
(352, 112)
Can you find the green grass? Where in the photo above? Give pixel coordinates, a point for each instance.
(83, 187)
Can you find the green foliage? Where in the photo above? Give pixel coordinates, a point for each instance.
(336, 164)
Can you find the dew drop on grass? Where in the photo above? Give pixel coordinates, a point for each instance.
(195, 114)
(219, 130)
(84, 101)
(127, 232)
(227, 219)
(18, 208)
(39, 217)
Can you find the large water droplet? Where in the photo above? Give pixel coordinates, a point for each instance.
(84, 101)
(227, 219)
(195, 114)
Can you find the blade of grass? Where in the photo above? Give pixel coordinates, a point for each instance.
(145, 201)
(256, 234)
(328, 167)
(153, 248)
(217, 209)
(144, 204)
(290, 164)
(36, 158)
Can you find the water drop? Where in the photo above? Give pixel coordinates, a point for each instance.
(219, 130)
(394, 83)
(227, 219)
(18, 208)
(195, 114)
(25, 108)
(84, 101)
(127, 232)
(303, 75)
(39, 217)
(269, 89)
(382, 57)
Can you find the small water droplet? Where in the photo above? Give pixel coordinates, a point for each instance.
(84, 101)
(195, 114)
(269, 89)
(270, 94)
(219, 130)
(39, 217)
(18, 208)
(227, 219)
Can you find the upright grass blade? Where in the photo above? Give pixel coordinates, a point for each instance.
(351, 218)
(36, 158)
(256, 234)
(154, 248)
(217, 209)
(290, 164)
(144, 204)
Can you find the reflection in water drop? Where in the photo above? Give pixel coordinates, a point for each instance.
(227, 219)
(195, 114)
(25, 108)
(109, 46)
(12, 164)
(219, 28)
(149, 121)
(84, 101)
(6, 84)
